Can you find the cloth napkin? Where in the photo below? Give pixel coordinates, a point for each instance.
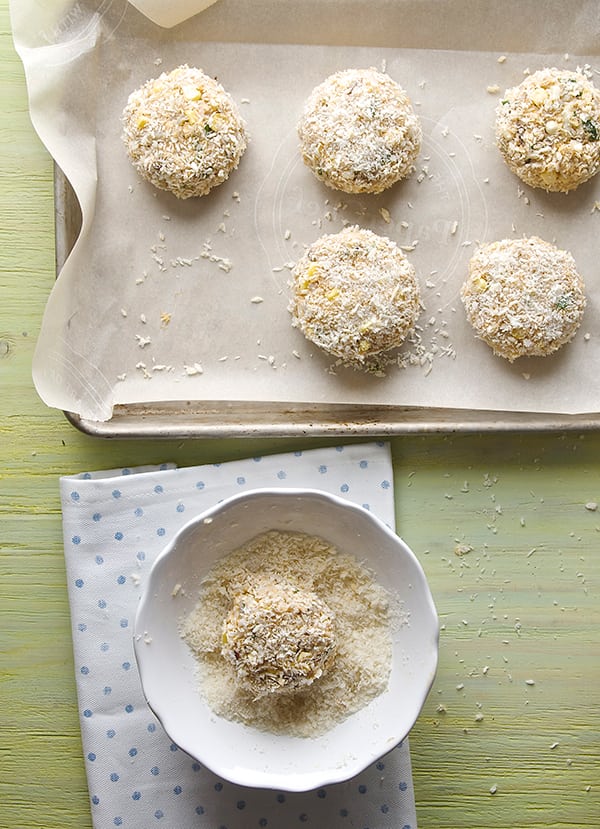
(115, 524)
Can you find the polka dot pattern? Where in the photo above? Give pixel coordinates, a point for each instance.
(115, 524)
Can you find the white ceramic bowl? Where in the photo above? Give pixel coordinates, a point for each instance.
(168, 669)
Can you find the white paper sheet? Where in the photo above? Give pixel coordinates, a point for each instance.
(167, 300)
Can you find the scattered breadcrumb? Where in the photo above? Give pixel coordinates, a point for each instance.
(193, 369)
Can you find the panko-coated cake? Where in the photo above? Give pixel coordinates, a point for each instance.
(183, 132)
(358, 131)
(354, 294)
(278, 637)
(548, 129)
(523, 297)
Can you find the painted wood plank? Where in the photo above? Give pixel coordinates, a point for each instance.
(508, 736)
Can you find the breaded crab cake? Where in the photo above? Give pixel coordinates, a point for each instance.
(548, 129)
(358, 131)
(523, 297)
(183, 132)
(354, 294)
(278, 637)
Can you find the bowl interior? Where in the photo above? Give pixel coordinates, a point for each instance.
(168, 670)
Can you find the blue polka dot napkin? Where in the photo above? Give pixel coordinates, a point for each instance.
(115, 524)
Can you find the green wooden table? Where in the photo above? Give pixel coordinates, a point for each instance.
(505, 525)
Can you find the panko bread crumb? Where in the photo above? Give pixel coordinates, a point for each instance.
(548, 129)
(183, 132)
(347, 626)
(354, 294)
(523, 297)
(358, 131)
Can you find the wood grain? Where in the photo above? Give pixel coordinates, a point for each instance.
(514, 704)
(509, 735)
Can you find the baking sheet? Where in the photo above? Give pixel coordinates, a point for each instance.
(226, 419)
(167, 301)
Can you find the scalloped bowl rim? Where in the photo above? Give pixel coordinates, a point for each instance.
(168, 670)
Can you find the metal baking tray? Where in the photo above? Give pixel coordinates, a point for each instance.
(227, 419)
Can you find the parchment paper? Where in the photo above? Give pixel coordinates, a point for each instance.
(164, 299)
(171, 13)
